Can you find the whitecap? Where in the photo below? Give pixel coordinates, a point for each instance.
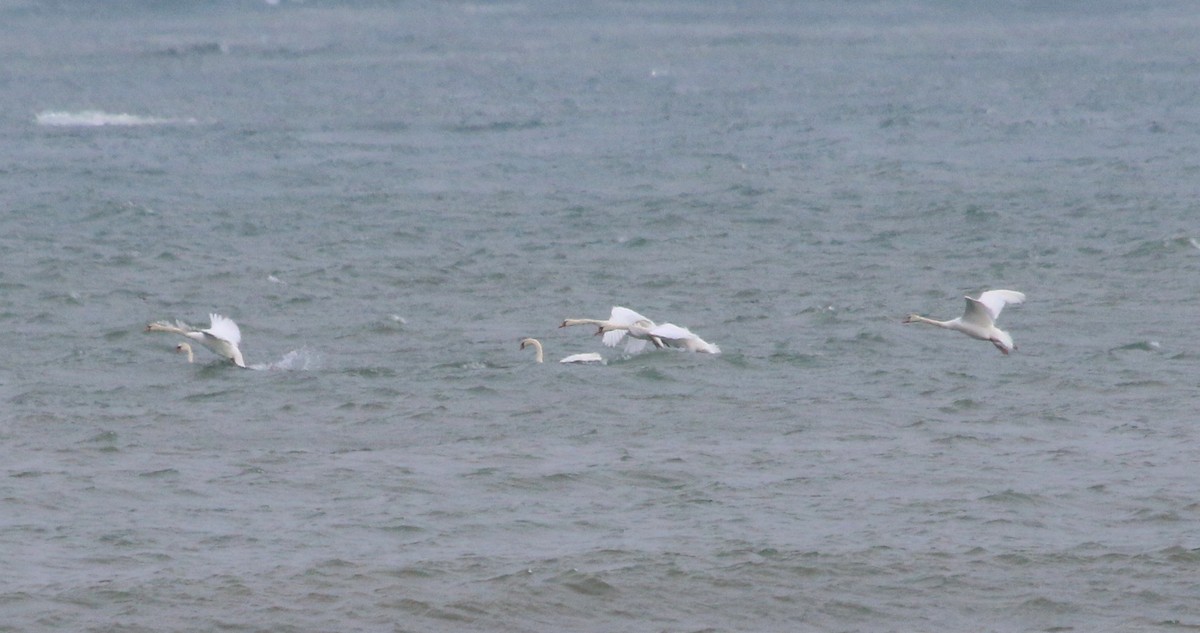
(98, 118)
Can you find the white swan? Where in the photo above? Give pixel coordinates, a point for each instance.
(589, 357)
(620, 322)
(978, 321)
(222, 336)
(184, 348)
(679, 337)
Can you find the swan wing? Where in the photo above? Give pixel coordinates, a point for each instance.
(635, 345)
(224, 328)
(995, 300)
(613, 337)
(977, 314)
(625, 316)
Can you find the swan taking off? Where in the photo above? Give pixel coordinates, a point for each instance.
(222, 336)
(979, 319)
(590, 357)
(642, 331)
(620, 322)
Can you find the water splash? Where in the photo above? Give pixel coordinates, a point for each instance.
(302, 359)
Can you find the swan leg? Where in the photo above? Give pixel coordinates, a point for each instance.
(999, 346)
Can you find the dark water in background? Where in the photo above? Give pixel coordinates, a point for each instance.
(387, 197)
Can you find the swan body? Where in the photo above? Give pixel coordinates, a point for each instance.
(184, 348)
(672, 335)
(621, 321)
(979, 319)
(222, 336)
(589, 357)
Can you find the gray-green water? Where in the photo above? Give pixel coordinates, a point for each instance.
(388, 197)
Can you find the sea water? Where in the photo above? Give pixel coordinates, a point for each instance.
(387, 197)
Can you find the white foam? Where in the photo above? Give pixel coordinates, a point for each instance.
(301, 359)
(98, 118)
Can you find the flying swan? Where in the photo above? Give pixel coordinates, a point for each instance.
(222, 336)
(620, 322)
(589, 357)
(643, 331)
(978, 321)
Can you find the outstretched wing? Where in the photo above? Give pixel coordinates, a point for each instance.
(995, 300)
(977, 314)
(613, 337)
(635, 345)
(224, 328)
(625, 316)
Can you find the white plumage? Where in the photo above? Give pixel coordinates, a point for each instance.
(680, 337)
(979, 318)
(222, 336)
(643, 331)
(588, 357)
(621, 321)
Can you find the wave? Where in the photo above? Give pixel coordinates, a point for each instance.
(98, 118)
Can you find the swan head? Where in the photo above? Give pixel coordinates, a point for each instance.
(536, 345)
(184, 348)
(912, 318)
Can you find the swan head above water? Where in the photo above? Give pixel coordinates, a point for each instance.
(536, 345)
(184, 348)
(590, 357)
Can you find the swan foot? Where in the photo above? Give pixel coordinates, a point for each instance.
(1001, 347)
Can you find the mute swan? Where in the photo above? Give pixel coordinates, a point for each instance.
(978, 321)
(673, 335)
(589, 357)
(620, 322)
(184, 348)
(222, 336)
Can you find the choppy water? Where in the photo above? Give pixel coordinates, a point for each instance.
(387, 197)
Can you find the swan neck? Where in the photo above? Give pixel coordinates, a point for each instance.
(537, 348)
(570, 322)
(916, 318)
